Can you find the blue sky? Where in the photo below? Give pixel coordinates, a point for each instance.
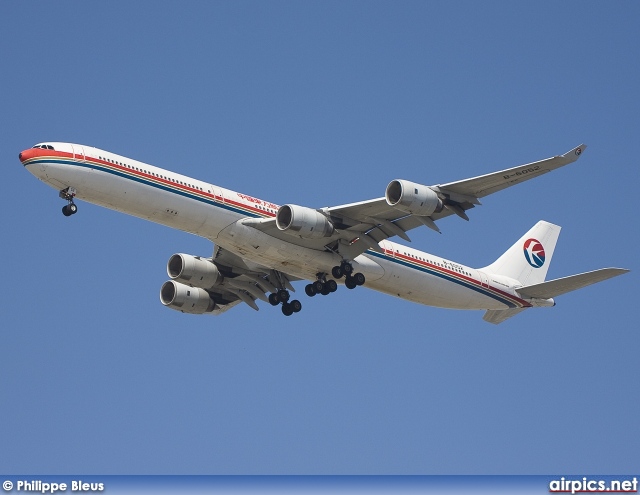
(319, 103)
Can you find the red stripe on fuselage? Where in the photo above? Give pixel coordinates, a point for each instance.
(39, 153)
(457, 275)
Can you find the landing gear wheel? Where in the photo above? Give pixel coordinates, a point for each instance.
(347, 268)
(283, 295)
(287, 310)
(350, 283)
(337, 272)
(318, 285)
(295, 305)
(359, 279)
(310, 290)
(69, 209)
(325, 290)
(331, 285)
(274, 300)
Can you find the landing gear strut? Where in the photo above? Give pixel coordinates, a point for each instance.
(71, 208)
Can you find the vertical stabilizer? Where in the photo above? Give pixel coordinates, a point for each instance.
(528, 259)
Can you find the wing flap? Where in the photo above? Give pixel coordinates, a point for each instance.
(557, 287)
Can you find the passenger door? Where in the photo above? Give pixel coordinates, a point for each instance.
(78, 153)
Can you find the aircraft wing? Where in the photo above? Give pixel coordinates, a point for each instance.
(484, 185)
(244, 281)
(361, 226)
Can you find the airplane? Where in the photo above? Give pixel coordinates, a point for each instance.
(261, 249)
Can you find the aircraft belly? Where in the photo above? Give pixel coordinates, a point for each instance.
(140, 200)
(62, 176)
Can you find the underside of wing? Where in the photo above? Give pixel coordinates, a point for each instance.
(214, 285)
(248, 281)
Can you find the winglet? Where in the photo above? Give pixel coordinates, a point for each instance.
(574, 154)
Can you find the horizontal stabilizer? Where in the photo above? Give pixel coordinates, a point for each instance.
(560, 286)
(496, 316)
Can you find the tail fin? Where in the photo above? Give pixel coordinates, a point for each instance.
(527, 261)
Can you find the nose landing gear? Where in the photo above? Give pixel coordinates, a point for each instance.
(71, 208)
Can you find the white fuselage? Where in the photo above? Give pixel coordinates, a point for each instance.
(194, 206)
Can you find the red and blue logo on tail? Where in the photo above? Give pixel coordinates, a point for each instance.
(534, 252)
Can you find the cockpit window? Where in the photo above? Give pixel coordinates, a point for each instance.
(44, 146)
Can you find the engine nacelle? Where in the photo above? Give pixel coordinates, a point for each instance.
(187, 299)
(193, 271)
(303, 222)
(412, 198)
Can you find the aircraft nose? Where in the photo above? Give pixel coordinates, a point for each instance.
(26, 155)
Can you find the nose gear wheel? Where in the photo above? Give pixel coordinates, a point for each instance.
(70, 209)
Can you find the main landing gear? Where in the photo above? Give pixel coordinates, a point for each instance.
(352, 280)
(325, 287)
(288, 307)
(321, 286)
(71, 208)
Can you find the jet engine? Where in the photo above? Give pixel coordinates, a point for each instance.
(193, 271)
(412, 198)
(181, 297)
(304, 222)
